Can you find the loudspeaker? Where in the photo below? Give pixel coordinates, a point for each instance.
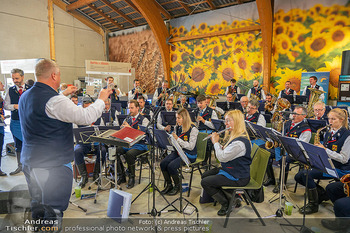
(345, 64)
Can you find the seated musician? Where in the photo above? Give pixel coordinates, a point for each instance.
(82, 149)
(233, 88)
(133, 120)
(135, 92)
(338, 192)
(161, 94)
(269, 105)
(313, 84)
(160, 122)
(337, 146)
(234, 157)
(183, 102)
(320, 110)
(244, 104)
(256, 90)
(144, 111)
(296, 128)
(185, 133)
(253, 115)
(215, 108)
(287, 90)
(74, 99)
(205, 125)
(116, 91)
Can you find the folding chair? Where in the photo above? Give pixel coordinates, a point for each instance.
(201, 149)
(260, 159)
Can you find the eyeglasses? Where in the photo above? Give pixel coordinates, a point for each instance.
(251, 107)
(318, 110)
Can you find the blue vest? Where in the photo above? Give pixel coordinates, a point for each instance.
(114, 96)
(14, 97)
(207, 114)
(232, 90)
(254, 118)
(256, 92)
(283, 92)
(47, 142)
(296, 131)
(186, 137)
(146, 111)
(240, 167)
(336, 143)
(307, 93)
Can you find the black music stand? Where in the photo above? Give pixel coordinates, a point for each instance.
(239, 96)
(192, 115)
(218, 124)
(301, 99)
(316, 124)
(116, 107)
(121, 118)
(169, 118)
(186, 162)
(290, 98)
(311, 156)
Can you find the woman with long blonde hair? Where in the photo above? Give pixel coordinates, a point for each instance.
(185, 133)
(234, 157)
(337, 145)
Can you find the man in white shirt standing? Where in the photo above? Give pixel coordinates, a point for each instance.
(46, 120)
(11, 103)
(134, 93)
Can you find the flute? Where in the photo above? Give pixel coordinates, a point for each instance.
(220, 132)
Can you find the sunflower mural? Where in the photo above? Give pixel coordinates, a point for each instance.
(307, 40)
(207, 65)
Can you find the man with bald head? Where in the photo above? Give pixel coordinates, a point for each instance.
(46, 121)
(244, 104)
(319, 110)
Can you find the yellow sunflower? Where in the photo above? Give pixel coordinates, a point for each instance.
(226, 72)
(198, 52)
(242, 62)
(200, 75)
(298, 15)
(294, 53)
(203, 27)
(255, 62)
(317, 8)
(294, 76)
(182, 30)
(216, 50)
(283, 44)
(175, 58)
(321, 27)
(339, 36)
(279, 14)
(229, 40)
(214, 88)
(318, 45)
(334, 67)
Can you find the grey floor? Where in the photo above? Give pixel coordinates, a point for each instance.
(244, 217)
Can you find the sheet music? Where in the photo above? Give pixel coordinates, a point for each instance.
(179, 150)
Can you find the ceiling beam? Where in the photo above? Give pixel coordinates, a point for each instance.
(160, 31)
(211, 4)
(265, 15)
(185, 7)
(78, 4)
(162, 10)
(105, 16)
(79, 17)
(119, 12)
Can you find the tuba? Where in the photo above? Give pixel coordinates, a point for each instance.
(277, 118)
(269, 106)
(176, 95)
(315, 95)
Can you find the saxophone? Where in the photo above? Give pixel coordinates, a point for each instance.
(317, 136)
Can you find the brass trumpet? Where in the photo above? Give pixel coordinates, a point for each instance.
(141, 90)
(270, 145)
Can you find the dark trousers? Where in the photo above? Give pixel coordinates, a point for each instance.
(212, 183)
(80, 150)
(209, 148)
(130, 155)
(1, 145)
(300, 177)
(50, 186)
(335, 192)
(172, 162)
(18, 144)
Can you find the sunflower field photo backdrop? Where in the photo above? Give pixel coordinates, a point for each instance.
(308, 36)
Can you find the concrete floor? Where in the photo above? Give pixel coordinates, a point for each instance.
(242, 219)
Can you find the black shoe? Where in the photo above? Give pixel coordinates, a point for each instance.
(220, 197)
(276, 189)
(312, 206)
(121, 179)
(269, 181)
(131, 182)
(223, 210)
(175, 190)
(168, 188)
(18, 170)
(2, 173)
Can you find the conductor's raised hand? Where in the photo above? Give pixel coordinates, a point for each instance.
(70, 90)
(105, 93)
